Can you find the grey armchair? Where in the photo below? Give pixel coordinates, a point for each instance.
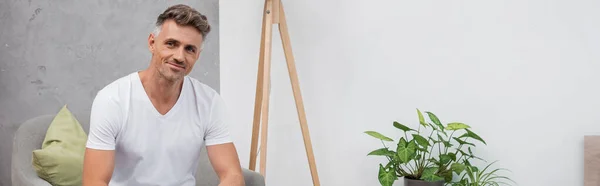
(30, 136)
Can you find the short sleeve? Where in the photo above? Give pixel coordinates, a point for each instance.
(217, 131)
(104, 122)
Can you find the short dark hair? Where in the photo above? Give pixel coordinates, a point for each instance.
(185, 16)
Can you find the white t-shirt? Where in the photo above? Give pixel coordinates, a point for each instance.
(151, 148)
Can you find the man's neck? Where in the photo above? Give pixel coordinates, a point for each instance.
(159, 88)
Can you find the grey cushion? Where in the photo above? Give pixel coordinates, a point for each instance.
(30, 135)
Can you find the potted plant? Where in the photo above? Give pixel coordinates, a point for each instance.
(473, 176)
(427, 155)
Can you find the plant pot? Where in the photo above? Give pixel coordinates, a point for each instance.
(411, 182)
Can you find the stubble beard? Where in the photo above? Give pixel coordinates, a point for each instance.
(165, 72)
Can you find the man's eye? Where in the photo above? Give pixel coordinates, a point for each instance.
(170, 43)
(190, 49)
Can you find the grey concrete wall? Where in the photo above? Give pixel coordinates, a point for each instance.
(54, 53)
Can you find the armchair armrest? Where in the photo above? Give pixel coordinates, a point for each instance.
(253, 178)
(28, 137)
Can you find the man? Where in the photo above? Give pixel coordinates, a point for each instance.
(148, 128)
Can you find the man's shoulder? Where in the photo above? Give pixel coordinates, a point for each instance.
(116, 88)
(202, 89)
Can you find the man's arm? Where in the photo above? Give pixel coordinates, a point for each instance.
(99, 157)
(97, 167)
(220, 148)
(226, 163)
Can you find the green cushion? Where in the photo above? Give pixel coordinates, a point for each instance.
(60, 160)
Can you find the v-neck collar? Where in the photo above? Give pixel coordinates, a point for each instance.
(147, 100)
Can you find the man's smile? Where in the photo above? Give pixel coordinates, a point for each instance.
(176, 66)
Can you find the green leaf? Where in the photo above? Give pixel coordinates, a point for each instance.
(457, 126)
(386, 177)
(462, 142)
(406, 150)
(378, 136)
(452, 156)
(435, 120)
(429, 174)
(457, 167)
(389, 164)
(470, 172)
(447, 144)
(381, 152)
(471, 134)
(463, 182)
(402, 127)
(434, 161)
(421, 140)
(444, 159)
(421, 118)
(395, 158)
(447, 175)
(475, 169)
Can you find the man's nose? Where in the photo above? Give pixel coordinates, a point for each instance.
(178, 57)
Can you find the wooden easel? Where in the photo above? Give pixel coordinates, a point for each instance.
(273, 14)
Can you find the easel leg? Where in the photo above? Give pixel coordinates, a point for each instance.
(273, 13)
(261, 109)
(287, 49)
(258, 99)
(266, 87)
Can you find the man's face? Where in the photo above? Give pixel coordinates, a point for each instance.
(175, 50)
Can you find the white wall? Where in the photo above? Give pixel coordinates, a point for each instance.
(523, 74)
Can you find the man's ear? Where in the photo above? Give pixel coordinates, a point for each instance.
(200, 48)
(199, 51)
(151, 42)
